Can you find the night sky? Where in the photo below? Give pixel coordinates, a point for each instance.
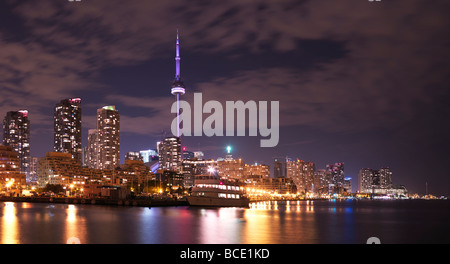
(360, 82)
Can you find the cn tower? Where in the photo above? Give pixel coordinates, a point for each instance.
(178, 85)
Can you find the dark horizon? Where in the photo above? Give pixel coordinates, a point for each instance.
(360, 82)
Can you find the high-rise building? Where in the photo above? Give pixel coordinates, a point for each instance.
(67, 128)
(16, 134)
(370, 179)
(92, 149)
(302, 174)
(169, 151)
(337, 174)
(348, 184)
(386, 178)
(108, 138)
(365, 179)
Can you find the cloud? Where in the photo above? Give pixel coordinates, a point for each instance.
(395, 52)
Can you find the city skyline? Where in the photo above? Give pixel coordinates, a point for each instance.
(351, 94)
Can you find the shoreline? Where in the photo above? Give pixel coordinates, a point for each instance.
(97, 201)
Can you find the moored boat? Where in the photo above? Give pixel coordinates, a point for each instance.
(214, 191)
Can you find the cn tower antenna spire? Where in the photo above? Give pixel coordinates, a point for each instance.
(178, 85)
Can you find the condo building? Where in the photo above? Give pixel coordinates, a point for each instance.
(108, 138)
(16, 134)
(67, 128)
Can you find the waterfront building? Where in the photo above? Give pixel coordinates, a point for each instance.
(302, 173)
(256, 170)
(67, 128)
(385, 178)
(61, 169)
(10, 175)
(337, 174)
(16, 134)
(108, 138)
(135, 174)
(231, 168)
(348, 185)
(193, 167)
(169, 151)
(322, 181)
(370, 179)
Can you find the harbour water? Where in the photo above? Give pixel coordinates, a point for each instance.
(294, 222)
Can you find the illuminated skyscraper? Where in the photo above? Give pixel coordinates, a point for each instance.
(370, 179)
(337, 174)
(108, 138)
(67, 129)
(16, 134)
(169, 151)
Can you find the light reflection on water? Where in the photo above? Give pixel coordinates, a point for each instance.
(270, 222)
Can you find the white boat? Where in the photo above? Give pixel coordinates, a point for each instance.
(214, 191)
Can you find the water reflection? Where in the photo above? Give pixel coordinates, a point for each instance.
(268, 222)
(9, 224)
(75, 224)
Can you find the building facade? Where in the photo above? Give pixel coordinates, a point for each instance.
(67, 128)
(108, 138)
(169, 151)
(16, 134)
(10, 175)
(370, 179)
(337, 174)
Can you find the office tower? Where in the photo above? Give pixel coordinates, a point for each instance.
(108, 138)
(337, 174)
(10, 175)
(178, 85)
(67, 128)
(169, 151)
(16, 134)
